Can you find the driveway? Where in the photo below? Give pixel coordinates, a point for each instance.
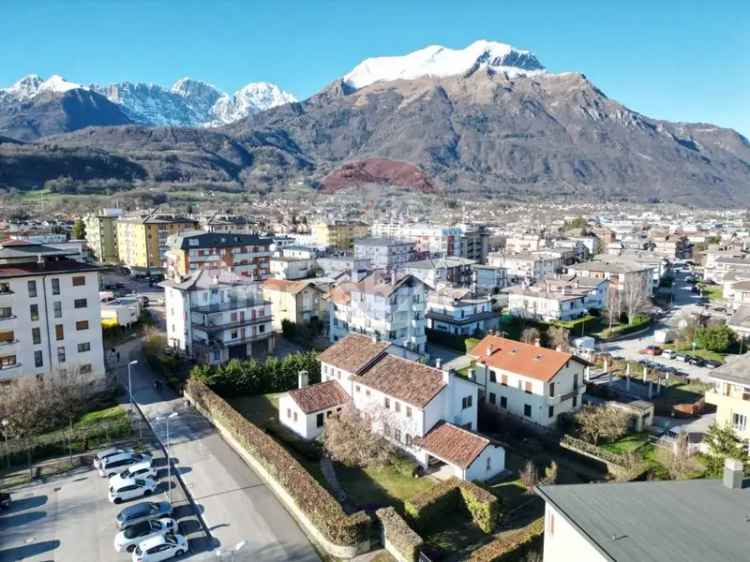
(235, 503)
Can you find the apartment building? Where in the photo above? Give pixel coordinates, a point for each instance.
(298, 302)
(459, 311)
(489, 279)
(247, 255)
(101, 234)
(384, 306)
(526, 266)
(564, 297)
(450, 270)
(524, 243)
(384, 253)
(339, 235)
(463, 240)
(214, 316)
(142, 239)
(625, 277)
(429, 413)
(731, 394)
(292, 268)
(658, 264)
(672, 246)
(49, 314)
(528, 381)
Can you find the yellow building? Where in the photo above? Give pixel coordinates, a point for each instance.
(101, 234)
(339, 234)
(731, 395)
(142, 240)
(296, 301)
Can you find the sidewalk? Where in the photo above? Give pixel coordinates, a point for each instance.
(235, 503)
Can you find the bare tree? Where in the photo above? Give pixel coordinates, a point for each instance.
(679, 458)
(558, 338)
(635, 294)
(350, 440)
(601, 422)
(614, 305)
(529, 476)
(530, 335)
(550, 474)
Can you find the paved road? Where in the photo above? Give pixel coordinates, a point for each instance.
(236, 505)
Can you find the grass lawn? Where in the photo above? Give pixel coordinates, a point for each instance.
(111, 414)
(455, 536)
(713, 292)
(380, 486)
(626, 444)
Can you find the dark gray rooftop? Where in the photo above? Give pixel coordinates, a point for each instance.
(688, 520)
(736, 369)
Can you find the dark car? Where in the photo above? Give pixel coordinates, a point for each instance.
(4, 500)
(697, 361)
(712, 363)
(144, 511)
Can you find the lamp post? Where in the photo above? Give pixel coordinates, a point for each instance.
(130, 381)
(5, 423)
(166, 419)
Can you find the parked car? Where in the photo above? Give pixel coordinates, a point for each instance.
(131, 488)
(680, 357)
(669, 353)
(143, 469)
(695, 290)
(711, 363)
(127, 540)
(101, 456)
(697, 361)
(4, 500)
(117, 463)
(651, 350)
(161, 547)
(140, 512)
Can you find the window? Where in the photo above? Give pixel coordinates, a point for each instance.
(55, 286)
(408, 411)
(5, 288)
(319, 420)
(493, 399)
(86, 369)
(575, 401)
(36, 336)
(527, 410)
(59, 332)
(79, 281)
(38, 358)
(57, 308)
(84, 347)
(397, 406)
(82, 325)
(356, 388)
(527, 388)
(34, 309)
(550, 411)
(409, 440)
(503, 402)
(61, 354)
(7, 337)
(552, 389)
(504, 380)
(7, 361)
(80, 303)
(387, 403)
(295, 416)
(6, 312)
(489, 464)
(289, 413)
(466, 402)
(32, 289)
(397, 435)
(493, 377)
(386, 430)
(367, 392)
(739, 422)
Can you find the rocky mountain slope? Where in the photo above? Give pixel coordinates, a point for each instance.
(486, 120)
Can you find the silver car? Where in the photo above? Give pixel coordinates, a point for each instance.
(140, 512)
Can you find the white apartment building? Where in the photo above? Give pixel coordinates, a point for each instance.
(384, 253)
(528, 381)
(49, 314)
(558, 298)
(384, 306)
(427, 412)
(463, 240)
(215, 316)
(526, 266)
(292, 268)
(489, 279)
(459, 311)
(437, 271)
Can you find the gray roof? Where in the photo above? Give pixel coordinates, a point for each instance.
(688, 520)
(612, 266)
(382, 242)
(449, 261)
(736, 369)
(215, 240)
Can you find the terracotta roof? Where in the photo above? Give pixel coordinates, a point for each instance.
(321, 396)
(286, 286)
(353, 353)
(453, 444)
(521, 358)
(412, 382)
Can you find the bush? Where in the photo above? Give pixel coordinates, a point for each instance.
(404, 465)
(718, 338)
(310, 497)
(398, 533)
(511, 547)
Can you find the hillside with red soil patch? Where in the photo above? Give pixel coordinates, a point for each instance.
(377, 171)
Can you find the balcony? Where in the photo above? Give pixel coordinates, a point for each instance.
(215, 344)
(219, 325)
(232, 304)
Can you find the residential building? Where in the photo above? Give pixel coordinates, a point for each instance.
(429, 413)
(442, 271)
(672, 246)
(632, 282)
(299, 302)
(142, 239)
(659, 265)
(564, 297)
(526, 266)
(49, 314)
(524, 243)
(227, 223)
(335, 266)
(459, 311)
(652, 521)
(292, 268)
(101, 234)
(463, 240)
(339, 235)
(528, 381)
(731, 394)
(248, 255)
(489, 279)
(384, 253)
(214, 316)
(386, 307)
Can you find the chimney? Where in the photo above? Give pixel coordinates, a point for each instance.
(303, 379)
(448, 374)
(558, 348)
(437, 363)
(489, 350)
(734, 474)
(472, 377)
(538, 342)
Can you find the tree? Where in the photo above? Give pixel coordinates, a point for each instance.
(718, 338)
(635, 294)
(529, 476)
(530, 335)
(723, 443)
(614, 306)
(596, 423)
(558, 338)
(679, 465)
(348, 438)
(550, 474)
(79, 230)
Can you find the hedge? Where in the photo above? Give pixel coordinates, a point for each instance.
(453, 341)
(511, 547)
(398, 533)
(310, 497)
(426, 509)
(584, 446)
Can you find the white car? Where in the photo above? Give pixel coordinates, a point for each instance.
(106, 453)
(162, 547)
(119, 462)
(143, 469)
(131, 488)
(131, 537)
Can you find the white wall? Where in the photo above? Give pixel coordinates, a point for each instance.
(304, 425)
(478, 469)
(563, 542)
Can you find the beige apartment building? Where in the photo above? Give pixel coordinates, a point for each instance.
(339, 234)
(101, 234)
(142, 240)
(731, 395)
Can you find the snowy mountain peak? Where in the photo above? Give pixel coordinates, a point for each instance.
(440, 61)
(187, 87)
(25, 88)
(249, 99)
(57, 83)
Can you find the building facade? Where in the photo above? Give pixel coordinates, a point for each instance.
(384, 253)
(299, 302)
(101, 234)
(142, 240)
(458, 311)
(339, 235)
(731, 395)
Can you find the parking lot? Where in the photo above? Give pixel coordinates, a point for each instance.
(71, 519)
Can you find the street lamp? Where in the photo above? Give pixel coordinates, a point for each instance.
(5, 423)
(166, 419)
(130, 381)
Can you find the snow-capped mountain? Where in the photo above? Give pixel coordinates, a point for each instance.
(187, 103)
(439, 61)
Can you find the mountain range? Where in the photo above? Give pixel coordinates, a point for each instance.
(488, 119)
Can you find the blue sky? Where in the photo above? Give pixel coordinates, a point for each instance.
(679, 60)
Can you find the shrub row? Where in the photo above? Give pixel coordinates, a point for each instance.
(310, 497)
(586, 447)
(511, 547)
(640, 321)
(427, 508)
(398, 533)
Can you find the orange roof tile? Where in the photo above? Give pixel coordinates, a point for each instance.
(353, 353)
(321, 396)
(454, 444)
(406, 380)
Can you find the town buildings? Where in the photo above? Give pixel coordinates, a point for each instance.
(142, 239)
(489, 279)
(442, 271)
(384, 253)
(289, 268)
(248, 255)
(457, 310)
(299, 302)
(463, 240)
(101, 234)
(339, 235)
(527, 266)
(214, 316)
(49, 314)
(630, 283)
(562, 297)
